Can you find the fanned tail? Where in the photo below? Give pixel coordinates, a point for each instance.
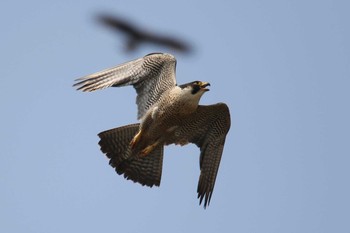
(115, 143)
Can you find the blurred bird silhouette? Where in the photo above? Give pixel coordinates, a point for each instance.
(136, 36)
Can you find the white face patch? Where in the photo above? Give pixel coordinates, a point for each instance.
(187, 94)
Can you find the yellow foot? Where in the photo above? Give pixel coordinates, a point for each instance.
(148, 149)
(135, 140)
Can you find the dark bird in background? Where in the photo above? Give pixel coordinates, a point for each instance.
(136, 35)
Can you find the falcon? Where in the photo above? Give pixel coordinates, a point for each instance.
(168, 114)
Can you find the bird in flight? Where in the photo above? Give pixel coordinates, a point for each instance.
(168, 114)
(136, 36)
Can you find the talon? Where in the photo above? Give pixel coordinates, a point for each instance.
(135, 140)
(148, 149)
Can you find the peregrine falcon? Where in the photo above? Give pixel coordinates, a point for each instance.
(168, 114)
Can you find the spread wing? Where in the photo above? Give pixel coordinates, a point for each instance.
(207, 128)
(150, 75)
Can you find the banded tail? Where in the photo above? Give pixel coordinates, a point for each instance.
(115, 143)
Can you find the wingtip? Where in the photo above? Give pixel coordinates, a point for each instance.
(78, 84)
(204, 198)
(201, 198)
(82, 86)
(78, 88)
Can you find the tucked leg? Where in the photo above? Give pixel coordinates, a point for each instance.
(149, 149)
(135, 140)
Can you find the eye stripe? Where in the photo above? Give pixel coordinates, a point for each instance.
(195, 89)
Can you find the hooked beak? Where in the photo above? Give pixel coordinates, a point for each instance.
(203, 86)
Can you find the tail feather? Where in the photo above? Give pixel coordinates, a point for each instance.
(115, 143)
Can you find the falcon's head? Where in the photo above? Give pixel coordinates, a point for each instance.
(195, 87)
(193, 91)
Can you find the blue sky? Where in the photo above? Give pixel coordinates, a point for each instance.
(282, 67)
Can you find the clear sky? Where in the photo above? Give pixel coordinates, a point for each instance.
(283, 68)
